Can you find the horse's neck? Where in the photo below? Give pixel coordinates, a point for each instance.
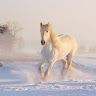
(55, 41)
(54, 37)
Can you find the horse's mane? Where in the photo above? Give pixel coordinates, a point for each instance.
(54, 39)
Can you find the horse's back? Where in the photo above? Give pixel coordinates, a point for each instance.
(64, 36)
(68, 42)
(67, 38)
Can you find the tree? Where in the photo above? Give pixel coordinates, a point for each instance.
(9, 36)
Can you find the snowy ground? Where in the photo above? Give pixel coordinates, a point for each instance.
(22, 79)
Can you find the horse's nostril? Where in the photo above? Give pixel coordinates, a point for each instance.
(42, 42)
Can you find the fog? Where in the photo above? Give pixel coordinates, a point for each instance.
(73, 17)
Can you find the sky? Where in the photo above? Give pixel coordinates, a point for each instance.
(73, 17)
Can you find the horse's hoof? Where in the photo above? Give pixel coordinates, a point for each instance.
(63, 73)
(70, 70)
(45, 79)
(42, 74)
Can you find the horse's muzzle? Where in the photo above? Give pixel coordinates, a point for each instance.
(42, 42)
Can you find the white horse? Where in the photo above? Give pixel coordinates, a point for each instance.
(55, 48)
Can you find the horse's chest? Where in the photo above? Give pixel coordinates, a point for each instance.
(48, 54)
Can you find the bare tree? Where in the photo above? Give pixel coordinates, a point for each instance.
(9, 36)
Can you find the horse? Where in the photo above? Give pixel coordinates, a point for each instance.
(55, 48)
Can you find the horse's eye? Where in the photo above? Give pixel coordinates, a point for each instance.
(46, 30)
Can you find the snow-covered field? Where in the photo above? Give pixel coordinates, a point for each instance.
(22, 79)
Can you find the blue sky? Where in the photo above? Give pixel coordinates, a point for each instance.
(74, 17)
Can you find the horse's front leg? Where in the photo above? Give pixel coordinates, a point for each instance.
(42, 63)
(47, 72)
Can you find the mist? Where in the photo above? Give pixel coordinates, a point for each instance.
(73, 17)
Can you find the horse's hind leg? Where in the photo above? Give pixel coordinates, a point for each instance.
(64, 61)
(63, 71)
(69, 60)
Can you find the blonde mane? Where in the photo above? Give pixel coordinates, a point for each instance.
(54, 39)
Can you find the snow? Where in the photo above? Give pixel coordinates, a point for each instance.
(20, 78)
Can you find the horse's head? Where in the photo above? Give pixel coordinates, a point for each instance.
(45, 33)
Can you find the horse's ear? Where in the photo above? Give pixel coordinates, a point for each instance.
(41, 24)
(48, 24)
